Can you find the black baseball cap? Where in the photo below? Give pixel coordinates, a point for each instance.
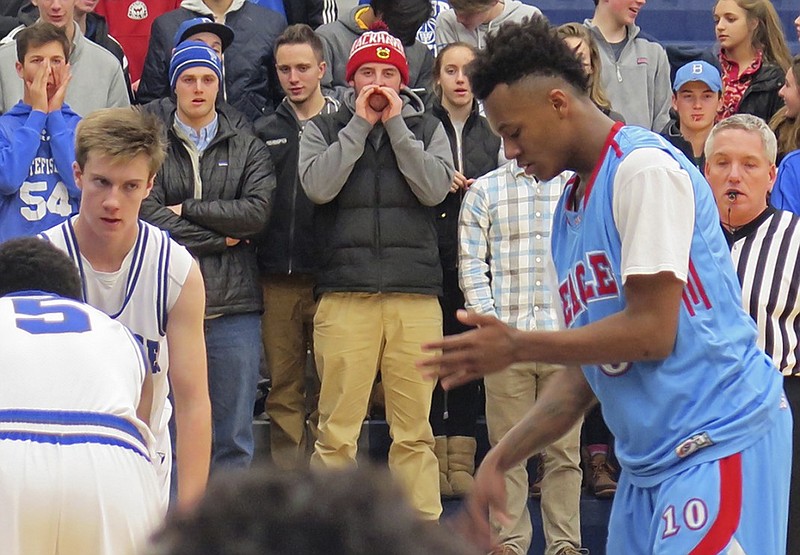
(203, 24)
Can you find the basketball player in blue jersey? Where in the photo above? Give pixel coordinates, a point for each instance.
(76, 475)
(135, 273)
(653, 314)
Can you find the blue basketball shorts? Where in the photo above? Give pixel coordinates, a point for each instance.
(733, 506)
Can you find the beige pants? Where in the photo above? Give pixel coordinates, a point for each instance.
(289, 309)
(354, 335)
(509, 396)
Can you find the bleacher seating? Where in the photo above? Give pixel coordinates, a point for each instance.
(672, 22)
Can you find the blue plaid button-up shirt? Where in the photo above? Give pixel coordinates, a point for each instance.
(504, 247)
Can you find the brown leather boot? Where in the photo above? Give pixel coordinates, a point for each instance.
(461, 463)
(601, 478)
(440, 450)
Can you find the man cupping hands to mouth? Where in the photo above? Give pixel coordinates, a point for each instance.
(374, 169)
(377, 69)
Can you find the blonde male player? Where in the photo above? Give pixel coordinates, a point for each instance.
(135, 273)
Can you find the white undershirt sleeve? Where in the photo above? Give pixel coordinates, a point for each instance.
(654, 212)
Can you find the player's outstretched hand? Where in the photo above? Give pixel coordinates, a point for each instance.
(488, 493)
(472, 354)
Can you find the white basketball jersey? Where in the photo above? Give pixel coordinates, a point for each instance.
(154, 273)
(76, 472)
(69, 372)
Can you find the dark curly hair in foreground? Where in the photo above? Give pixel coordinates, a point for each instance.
(33, 264)
(267, 511)
(518, 50)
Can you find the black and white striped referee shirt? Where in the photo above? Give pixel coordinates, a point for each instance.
(766, 255)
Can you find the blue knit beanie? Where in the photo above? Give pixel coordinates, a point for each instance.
(190, 54)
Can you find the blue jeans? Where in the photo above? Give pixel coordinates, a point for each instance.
(233, 344)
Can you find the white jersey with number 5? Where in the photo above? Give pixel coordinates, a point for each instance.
(140, 295)
(75, 460)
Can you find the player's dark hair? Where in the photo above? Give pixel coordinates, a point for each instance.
(267, 511)
(403, 17)
(300, 33)
(519, 50)
(33, 264)
(39, 34)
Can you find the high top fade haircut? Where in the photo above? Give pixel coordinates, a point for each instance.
(530, 48)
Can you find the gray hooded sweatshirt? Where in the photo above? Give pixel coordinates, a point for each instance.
(448, 30)
(337, 39)
(325, 168)
(638, 84)
(97, 79)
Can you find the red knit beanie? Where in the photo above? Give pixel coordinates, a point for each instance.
(377, 46)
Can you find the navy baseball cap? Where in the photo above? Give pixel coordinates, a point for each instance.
(203, 24)
(698, 70)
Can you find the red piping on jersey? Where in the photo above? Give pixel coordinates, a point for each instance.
(573, 182)
(691, 289)
(688, 303)
(610, 142)
(694, 292)
(730, 508)
(698, 284)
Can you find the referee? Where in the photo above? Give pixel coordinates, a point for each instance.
(765, 247)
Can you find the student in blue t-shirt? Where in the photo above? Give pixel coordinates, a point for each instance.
(653, 313)
(37, 188)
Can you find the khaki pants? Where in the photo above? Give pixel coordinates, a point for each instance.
(354, 335)
(289, 309)
(509, 396)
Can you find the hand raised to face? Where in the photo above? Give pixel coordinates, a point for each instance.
(370, 103)
(61, 78)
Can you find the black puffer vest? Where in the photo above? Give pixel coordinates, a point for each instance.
(375, 236)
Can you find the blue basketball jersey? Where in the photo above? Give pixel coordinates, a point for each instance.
(717, 393)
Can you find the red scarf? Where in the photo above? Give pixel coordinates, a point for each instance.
(734, 84)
